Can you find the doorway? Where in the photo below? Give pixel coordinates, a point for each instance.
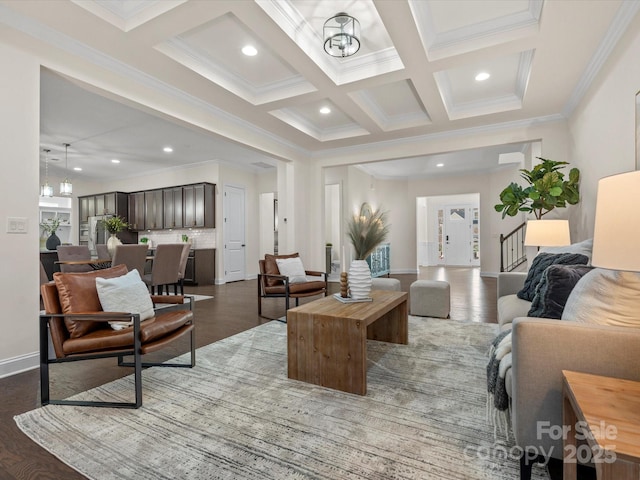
(448, 229)
(234, 233)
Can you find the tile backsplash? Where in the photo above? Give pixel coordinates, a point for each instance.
(199, 237)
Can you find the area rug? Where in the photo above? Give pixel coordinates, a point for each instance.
(236, 415)
(196, 298)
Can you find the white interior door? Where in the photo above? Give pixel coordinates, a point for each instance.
(457, 235)
(234, 234)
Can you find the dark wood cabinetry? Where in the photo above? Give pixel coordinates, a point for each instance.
(136, 211)
(112, 203)
(204, 266)
(199, 205)
(186, 206)
(153, 210)
(173, 210)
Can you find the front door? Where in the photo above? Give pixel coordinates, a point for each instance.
(234, 242)
(457, 235)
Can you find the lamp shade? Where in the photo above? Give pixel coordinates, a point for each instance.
(616, 237)
(547, 233)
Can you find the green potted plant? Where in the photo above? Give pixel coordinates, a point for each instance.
(547, 190)
(50, 227)
(366, 230)
(114, 225)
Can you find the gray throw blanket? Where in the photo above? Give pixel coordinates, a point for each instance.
(497, 397)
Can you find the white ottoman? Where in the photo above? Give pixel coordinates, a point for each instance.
(385, 284)
(430, 298)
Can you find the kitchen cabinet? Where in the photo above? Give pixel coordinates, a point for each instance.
(201, 266)
(136, 211)
(87, 208)
(111, 203)
(173, 210)
(186, 206)
(199, 205)
(153, 210)
(204, 266)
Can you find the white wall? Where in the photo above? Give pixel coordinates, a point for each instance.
(19, 143)
(602, 127)
(402, 222)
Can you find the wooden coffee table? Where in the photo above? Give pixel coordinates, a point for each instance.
(327, 339)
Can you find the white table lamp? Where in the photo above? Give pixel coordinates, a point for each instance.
(547, 233)
(616, 238)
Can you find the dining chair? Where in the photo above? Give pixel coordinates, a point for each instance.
(102, 251)
(74, 252)
(132, 255)
(166, 267)
(186, 248)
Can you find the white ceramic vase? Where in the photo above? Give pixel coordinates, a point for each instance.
(359, 279)
(112, 243)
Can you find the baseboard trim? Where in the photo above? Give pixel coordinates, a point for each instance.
(19, 364)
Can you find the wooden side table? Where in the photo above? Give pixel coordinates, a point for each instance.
(607, 412)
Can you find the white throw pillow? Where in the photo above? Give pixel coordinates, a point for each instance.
(292, 268)
(127, 293)
(584, 248)
(605, 297)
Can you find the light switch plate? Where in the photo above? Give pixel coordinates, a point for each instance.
(17, 225)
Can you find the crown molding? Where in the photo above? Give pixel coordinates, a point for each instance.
(95, 57)
(473, 37)
(179, 50)
(323, 135)
(130, 14)
(430, 137)
(618, 27)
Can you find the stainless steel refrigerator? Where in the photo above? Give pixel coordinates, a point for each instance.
(98, 234)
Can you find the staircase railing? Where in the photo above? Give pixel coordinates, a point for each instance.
(512, 252)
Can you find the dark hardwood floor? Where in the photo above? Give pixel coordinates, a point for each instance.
(232, 310)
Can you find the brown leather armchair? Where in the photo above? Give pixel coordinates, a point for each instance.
(271, 284)
(79, 330)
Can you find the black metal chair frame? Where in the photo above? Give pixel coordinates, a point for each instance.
(137, 362)
(286, 295)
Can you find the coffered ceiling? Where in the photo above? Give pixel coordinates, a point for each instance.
(414, 75)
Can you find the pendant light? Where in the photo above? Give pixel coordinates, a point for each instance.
(65, 186)
(46, 190)
(341, 35)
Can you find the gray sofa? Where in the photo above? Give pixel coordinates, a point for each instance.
(509, 305)
(541, 349)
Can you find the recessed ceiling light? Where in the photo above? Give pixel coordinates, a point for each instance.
(482, 76)
(77, 169)
(249, 50)
(440, 165)
(167, 149)
(325, 110)
(115, 160)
